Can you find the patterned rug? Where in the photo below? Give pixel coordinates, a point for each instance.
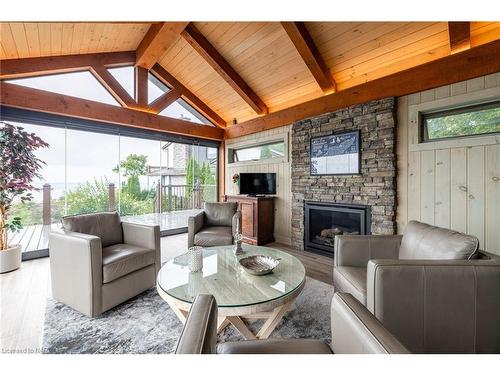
(146, 324)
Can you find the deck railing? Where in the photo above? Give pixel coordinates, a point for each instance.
(168, 198)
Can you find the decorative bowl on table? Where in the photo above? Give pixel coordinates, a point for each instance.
(259, 264)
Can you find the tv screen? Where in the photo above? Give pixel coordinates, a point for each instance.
(257, 183)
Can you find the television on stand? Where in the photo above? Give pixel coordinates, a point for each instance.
(258, 184)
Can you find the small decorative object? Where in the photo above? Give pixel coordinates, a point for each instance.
(237, 249)
(20, 167)
(195, 258)
(236, 178)
(259, 264)
(235, 121)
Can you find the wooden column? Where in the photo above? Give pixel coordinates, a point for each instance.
(46, 214)
(111, 194)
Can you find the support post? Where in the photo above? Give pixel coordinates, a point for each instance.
(46, 205)
(111, 195)
(169, 198)
(158, 197)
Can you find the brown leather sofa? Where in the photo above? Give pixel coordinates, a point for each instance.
(215, 225)
(419, 242)
(416, 307)
(98, 262)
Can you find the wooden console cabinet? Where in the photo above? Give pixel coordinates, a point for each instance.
(257, 218)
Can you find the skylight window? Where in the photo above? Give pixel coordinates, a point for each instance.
(180, 109)
(125, 77)
(156, 88)
(78, 84)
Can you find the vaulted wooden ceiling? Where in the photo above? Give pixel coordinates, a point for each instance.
(244, 70)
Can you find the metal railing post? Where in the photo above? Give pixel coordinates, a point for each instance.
(158, 197)
(46, 214)
(111, 197)
(169, 198)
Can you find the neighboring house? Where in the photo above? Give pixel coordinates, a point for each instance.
(176, 156)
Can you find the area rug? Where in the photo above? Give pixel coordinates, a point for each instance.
(146, 324)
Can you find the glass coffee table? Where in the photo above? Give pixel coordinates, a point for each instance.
(241, 297)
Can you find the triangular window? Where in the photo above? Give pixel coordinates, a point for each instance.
(125, 77)
(79, 84)
(180, 109)
(156, 88)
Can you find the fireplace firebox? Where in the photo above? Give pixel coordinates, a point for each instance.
(324, 221)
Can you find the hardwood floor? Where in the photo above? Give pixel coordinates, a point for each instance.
(24, 293)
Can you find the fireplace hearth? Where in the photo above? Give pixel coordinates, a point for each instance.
(324, 221)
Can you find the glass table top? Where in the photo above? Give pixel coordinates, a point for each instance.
(227, 281)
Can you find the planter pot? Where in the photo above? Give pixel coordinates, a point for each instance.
(10, 259)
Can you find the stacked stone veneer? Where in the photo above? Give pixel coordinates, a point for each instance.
(375, 186)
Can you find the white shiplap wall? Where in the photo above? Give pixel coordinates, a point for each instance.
(282, 202)
(455, 183)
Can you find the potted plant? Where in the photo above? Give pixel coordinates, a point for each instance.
(18, 168)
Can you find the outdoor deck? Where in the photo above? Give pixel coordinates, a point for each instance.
(35, 238)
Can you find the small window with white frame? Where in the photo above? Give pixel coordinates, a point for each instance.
(480, 119)
(271, 150)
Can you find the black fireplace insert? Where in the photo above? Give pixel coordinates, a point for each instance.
(324, 221)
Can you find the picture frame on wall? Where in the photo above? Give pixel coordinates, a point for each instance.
(336, 154)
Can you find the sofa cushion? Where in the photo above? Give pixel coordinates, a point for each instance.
(275, 346)
(351, 280)
(214, 236)
(424, 241)
(220, 214)
(105, 225)
(121, 259)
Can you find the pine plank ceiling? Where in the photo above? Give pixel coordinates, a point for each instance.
(260, 52)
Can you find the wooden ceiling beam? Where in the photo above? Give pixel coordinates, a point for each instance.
(168, 79)
(141, 86)
(102, 74)
(159, 38)
(459, 33)
(17, 96)
(206, 50)
(472, 63)
(164, 101)
(36, 66)
(305, 46)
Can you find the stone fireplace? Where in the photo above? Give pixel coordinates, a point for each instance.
(324, 221)
(374, 189)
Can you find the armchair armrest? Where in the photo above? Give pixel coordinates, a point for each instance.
(236, 222)
(437, 306)
(357, 250)
(195, 223)
(76, 270)
(147, 236)
(356, 331)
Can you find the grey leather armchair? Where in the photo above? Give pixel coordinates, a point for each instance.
(350, 319)
(416, 307)
(215, 225)
(98, 262)
(419, 242)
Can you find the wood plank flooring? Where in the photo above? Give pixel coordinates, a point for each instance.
(24, 293)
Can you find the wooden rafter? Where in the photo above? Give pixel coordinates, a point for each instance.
(159, 38)
(17, 96)
(168, 79)
(305, 46)
(472, 63)
(459, 33)
(37, 66)
(194, 37)
(114, 87)
(165, 100)
(141, 86)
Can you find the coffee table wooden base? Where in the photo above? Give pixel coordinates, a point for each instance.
(276, 309)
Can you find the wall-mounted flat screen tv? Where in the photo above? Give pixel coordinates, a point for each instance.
(257, 183)
(336, 154)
